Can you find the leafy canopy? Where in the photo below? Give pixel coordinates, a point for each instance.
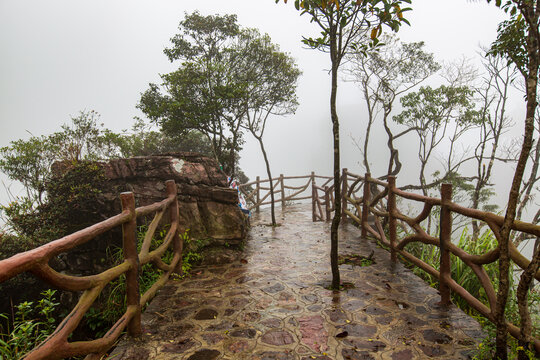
(351, 20)
(225, 74)
(437, 106)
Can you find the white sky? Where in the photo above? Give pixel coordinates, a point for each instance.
(62, 56)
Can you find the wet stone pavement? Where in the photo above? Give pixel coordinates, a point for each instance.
(273, 304)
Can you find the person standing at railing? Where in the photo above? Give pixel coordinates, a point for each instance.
(241, 201)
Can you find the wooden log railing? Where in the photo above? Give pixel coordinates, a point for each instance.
(379, 201)
(36, 261)
(372, 205)
(260, 195)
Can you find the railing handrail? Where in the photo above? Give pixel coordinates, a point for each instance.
(323, 204)
(56, 346)
(475, 262)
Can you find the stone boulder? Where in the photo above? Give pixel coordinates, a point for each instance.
(208, 207)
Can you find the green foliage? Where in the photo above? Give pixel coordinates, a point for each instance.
(55, 201)
(29, 162)
(191, 255)
(464, 276)
(33, 323)
(144, 141)
(112, 302)
(349, 18)
(486, 349)
(11, 244)
(225, 72)
(430, 108)
(510, 43)
(461, 273)
(203, 94)
(269, 78)
(72, 203)
(84, 139)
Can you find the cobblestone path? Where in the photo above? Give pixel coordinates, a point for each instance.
(272, 304)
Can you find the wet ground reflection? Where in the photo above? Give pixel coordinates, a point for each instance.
(273, 304)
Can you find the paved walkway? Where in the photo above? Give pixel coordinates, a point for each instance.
(273, 305)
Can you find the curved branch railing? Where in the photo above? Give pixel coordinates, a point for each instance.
(371, 204)
(36, 261)
(260, 195)
(374, 210)
(382, 206)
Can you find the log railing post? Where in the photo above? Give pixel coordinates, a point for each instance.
(282, 190)
(129, 244)
(365, 204)
(391, 207)
(174, 217)
(344, 189)
(258, 194)
(327, 202)
(445, 239)
(313, 198)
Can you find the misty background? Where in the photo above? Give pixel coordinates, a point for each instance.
(62, 56)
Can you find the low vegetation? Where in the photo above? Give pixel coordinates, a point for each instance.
(33, 323)
(464, 276)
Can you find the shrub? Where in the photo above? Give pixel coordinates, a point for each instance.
(32, 325)
(112, 303)
(72, 203)
(465, 277)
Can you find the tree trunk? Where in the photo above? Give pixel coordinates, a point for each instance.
(368, 130)
(475, 205)
(269, 179)
(232, 161)
(394, 165)
(525, 282)
(531, 81)
(337, 171)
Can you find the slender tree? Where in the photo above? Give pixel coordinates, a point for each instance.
(346, 25)
(271, 78)
(519, 41)
(384, 76)
(492, 96)
(436, 115)
(204, 94)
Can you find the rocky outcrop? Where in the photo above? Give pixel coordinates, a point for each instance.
(208, 207)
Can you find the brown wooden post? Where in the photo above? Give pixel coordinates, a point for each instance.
(129, 242)
(258, 198)
(365, 204)
(313, 198)
(282, 190)
(327, 202)
(178, 244)
(445, 239)
(344, 189)
(391, 206)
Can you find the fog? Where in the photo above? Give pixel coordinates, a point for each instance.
(63, 56)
